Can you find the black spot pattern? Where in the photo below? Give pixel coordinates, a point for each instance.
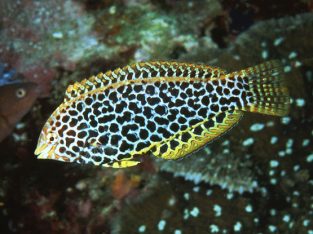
(127, 118)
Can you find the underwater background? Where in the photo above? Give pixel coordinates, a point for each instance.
(257, 178)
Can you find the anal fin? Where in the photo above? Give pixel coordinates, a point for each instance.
(195, 137)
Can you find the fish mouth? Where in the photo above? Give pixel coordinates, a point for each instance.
(47, 151)
(44, 150)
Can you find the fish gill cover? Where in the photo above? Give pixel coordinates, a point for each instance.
(258, 178)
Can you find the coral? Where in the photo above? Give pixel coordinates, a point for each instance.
(77, 200)
(289, 42)
(40, 36)
(175, 206)
(278, 149)
(219, 168)
(247, 50)
(153, 34)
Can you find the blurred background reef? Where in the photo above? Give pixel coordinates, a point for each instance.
(256, 179)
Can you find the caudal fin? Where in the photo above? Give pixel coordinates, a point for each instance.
(270, 93)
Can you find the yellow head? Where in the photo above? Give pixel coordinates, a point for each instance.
(49, 140)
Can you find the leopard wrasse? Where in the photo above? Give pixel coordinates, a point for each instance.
(168, 109)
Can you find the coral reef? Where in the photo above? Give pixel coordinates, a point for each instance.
(281, 204)
(153, 34)
(176, 206)
(278, 151)
(82, 202)
(225, 169)
(40, 36)
(257, 45)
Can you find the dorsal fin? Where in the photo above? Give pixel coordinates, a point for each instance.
(142, 70)
(192, 139)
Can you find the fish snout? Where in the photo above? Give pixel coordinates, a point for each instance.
(43, 149)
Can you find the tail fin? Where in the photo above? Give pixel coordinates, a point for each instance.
(270, 93)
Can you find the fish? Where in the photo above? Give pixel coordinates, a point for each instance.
(167, 109)
(15, 101)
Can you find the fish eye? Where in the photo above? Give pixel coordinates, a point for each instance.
(20, 93)
(52, 137)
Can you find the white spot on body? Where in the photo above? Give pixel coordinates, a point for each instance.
(274, 163)
(306, 222)
(274, 140)
(278, 41)
(186, 196)
(264, 54)
(292, 55)
(286, 218)
(300, 102)
(287, 69)
(161, 225)
(196, 189)
(272, 228)
(142, 229)
(249, 141)
(295, 205)
(218, 210)
(177, 231)
(285, 120)
(186, 214)
(273, 212)
(209, 192)
(230, 196)
(283, 173)
(298, 64)
(257, 127)
(195, 212)
(305, 142)
(171, 201)
(281, 153)
(309, 158)
(296, 168)
(214, 228)
(237, 227)
(248, 208)
(289, 145)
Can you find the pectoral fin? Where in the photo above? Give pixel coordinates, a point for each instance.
(122, 164)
